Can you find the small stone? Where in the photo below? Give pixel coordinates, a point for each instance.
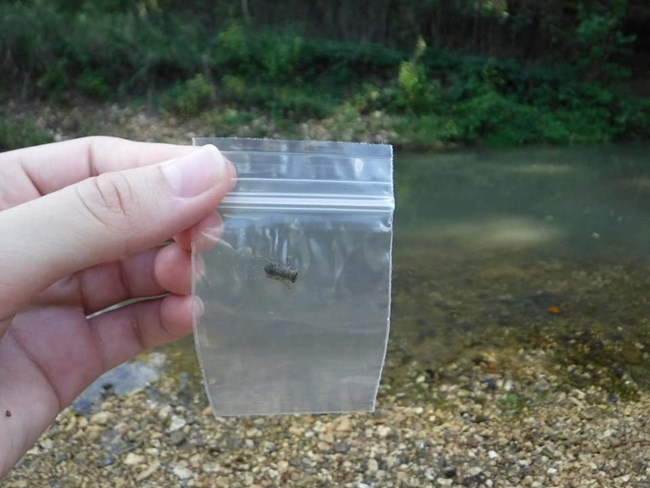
(46, 444)
(373, 466)
(392, 461)
(344, 425)
(341, 447)
(177, 438)
(101, 418)
(492, 454)
(122, 428)
(164, 412)
(474, 471)
(182, 472)
(106, 460)
(551, 471)
(323, 446)
(326, 438)
(383, 431)
(177, 423)
(133, 459)
(195, 461)
(151, 469)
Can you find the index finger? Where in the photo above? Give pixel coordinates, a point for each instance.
(36, 171)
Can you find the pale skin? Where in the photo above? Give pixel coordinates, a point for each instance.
(81, 227)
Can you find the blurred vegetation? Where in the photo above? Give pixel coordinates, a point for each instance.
(501, 72)
(20, 133)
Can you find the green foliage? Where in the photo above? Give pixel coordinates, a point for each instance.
(190, 97)
(117, 49)
(15, 134)
(497, 119)
(598, 38)
(415, 91)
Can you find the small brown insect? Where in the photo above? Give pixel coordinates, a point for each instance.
(281, 272)
(7, 413)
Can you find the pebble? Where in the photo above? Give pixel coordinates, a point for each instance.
(177, 437)
(182, 472)
(165, 412)
(133, 459)
(323, 446)
(106, 460)
(326, 438)
(47, 444)
(341, 447)
(150, 470)
(176, 423)
(101, 418)
(344, 424)
(384, 431)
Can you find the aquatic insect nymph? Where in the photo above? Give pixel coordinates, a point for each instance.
(281, 272)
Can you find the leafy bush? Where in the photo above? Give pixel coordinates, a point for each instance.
(116, 49)
(190, 97)
(19, 133)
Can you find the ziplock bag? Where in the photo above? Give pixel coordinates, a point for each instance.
(297, 292)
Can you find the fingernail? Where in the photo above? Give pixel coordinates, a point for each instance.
(197, 172)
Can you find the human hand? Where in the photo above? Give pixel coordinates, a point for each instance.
(81, 227)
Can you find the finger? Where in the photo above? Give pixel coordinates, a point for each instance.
(203, 235)
(26, 174)
(166, 269)
(124, 333)
(103, 219)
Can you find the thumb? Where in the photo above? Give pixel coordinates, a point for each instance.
(104, 218)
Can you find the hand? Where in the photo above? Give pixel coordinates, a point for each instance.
(81, 227)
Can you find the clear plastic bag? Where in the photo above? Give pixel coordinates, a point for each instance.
(297, 292)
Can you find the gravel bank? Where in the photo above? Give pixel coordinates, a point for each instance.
(489, 427)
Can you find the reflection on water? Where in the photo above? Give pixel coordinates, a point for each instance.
(519, 249)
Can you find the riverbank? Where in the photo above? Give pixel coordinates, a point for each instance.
(485, 429)
(37, 123)
(30, 123)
